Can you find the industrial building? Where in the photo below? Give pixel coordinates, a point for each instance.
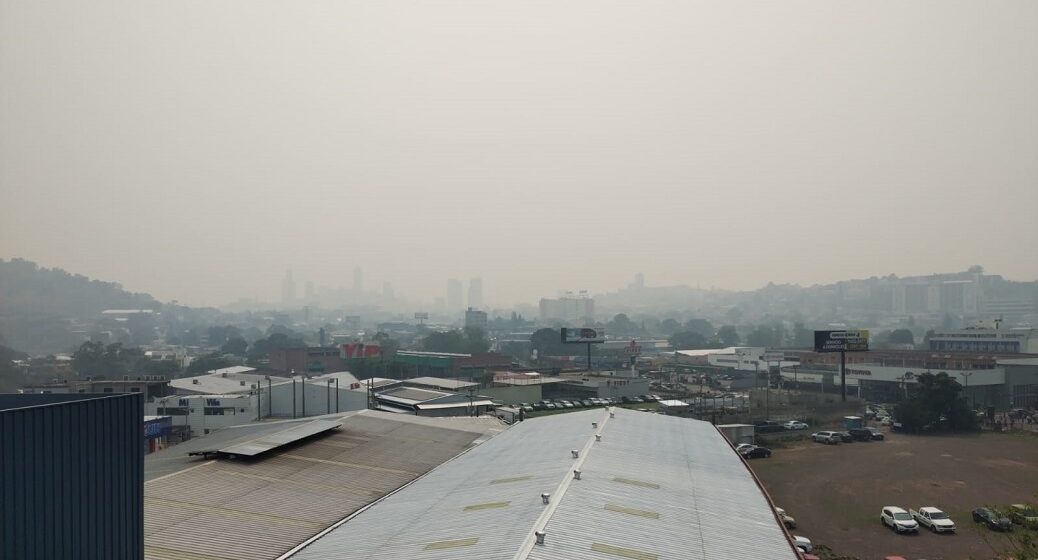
(426, 402)
(591, 485)
(986, 340)
(225, 381)
(71, 476)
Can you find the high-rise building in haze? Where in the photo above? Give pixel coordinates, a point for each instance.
(639, 281)
(476, 293)
(308, 290)
(358, 280)
(387, 291)
(288, 288)
(576, 310)
(454, 301)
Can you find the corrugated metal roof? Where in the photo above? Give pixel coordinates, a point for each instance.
(260, 509)
(266, 443)
(653, 487)
(440, 383)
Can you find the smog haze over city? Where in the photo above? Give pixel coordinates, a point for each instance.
(518, 279)
(540, 146)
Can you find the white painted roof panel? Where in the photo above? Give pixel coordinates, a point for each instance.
(653, 485)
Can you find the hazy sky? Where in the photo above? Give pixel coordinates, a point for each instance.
(198, 149)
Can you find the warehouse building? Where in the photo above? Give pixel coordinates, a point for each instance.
(594, 485)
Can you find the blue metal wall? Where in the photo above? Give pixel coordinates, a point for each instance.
(71, 477)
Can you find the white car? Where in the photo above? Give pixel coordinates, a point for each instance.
(744, 447)
(786, 518)
(803, 543)
(935, 519)
(898, 519)
(832, 438)
(794, 425)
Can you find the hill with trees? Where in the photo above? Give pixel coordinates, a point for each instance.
(41, 307)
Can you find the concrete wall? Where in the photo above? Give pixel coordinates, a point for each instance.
(513, 395)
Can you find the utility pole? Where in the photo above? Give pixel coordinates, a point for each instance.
(843, 375)
(966, 375)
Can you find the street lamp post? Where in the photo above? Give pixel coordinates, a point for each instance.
(966, 375)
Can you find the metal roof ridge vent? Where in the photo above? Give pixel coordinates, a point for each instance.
(576, 454)
(540, 537)
(612, 414)
(576, 474)
(598, 437)
(594, 424)
(546, 498)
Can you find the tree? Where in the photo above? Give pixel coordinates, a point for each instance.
(260, 350)
(728, 335)
(688, 340)
(802, 336)
(936, 403)
(236, 346)
(207, 363)
(669, 326)
(548, 342)
(734, 314)
(901, 336)
(168, 368)
(94, 359)
(218, 335)
(142, 328)
(475, 341)
(701, 326)
(621, 325)
(761, 336)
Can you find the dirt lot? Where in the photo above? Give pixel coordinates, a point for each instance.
(836, 492)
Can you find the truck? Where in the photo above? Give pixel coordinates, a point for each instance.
(933, 518)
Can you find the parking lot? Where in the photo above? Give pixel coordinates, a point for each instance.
(836, 492)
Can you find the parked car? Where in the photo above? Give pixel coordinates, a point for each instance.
(832, 438)
(795, 425)
(743, 447)
(846, 437)
(527, 408)
(803, 543)
(860, 434)
(551, 406)
(757, 453)
(876, 434)
(787, 519)
(1023, 514)
(768, 427)
(898, 519)
(933, 518)
(885, 421)
(992, 519)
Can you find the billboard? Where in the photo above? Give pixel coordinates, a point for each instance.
(583, 335)
(421, 316)
(359, 350)
(842, 341)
